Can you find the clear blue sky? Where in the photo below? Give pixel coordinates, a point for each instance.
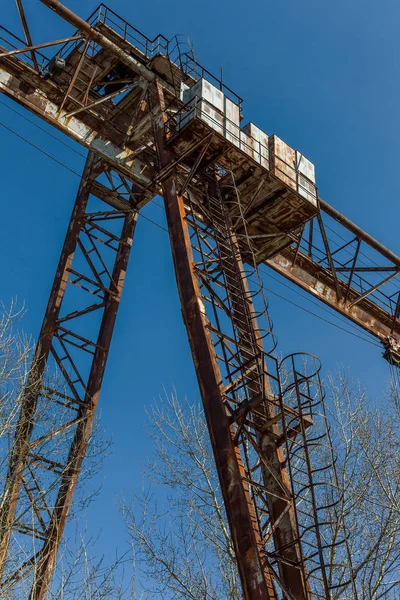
(324, 77)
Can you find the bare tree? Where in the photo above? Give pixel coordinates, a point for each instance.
(15, 359)
(81, 572)
(179, 528)
(367, 442)
(182, 543)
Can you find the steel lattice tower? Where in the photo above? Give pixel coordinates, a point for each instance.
(226, 213)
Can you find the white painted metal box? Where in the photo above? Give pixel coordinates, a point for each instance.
(204, 101)
(210, 93)
(283, 161)
(232, 122)
(200, 109)
(306, 177)
(259, 143)
(293, 168)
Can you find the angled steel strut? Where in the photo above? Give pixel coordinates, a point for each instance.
(89, 277)
(118, 93)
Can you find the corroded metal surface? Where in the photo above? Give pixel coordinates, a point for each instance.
(99, 241)
(273, 210)
(117, 93)
(256, 583)
(359, 282)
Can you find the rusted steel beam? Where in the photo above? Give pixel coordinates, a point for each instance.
(104, 281)
(360, 233)
(257, 584)
(196, 165)
(46, 561)
(39, 46)
(74, 77)
(27, 32)
(396, 313)
(353, 266)
(104, 144)
(101, 39)
(256, 580)
(372, 289)
(309, 275)
(76, 111)
(367, 269)
(279, 500)
(329, 255)
(27, 416)
(166, 171)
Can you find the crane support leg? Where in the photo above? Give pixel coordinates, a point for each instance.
(238, 380)
(256, 585)
(57, 413)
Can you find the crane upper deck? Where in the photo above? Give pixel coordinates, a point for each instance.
(101, 94)
(95, 89)
(155, 122)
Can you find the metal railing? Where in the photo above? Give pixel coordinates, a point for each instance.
(105, 15)
(150, 48)
(371, 271)
(10, 41)
(315, 484)
(147, 47)
(200, 108)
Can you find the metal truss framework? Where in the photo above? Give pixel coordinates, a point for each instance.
(254, 430)
(214, 200)
(246, 377)
(344, 267)
(56, 419)
(331, 258)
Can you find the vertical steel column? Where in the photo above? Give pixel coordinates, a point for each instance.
(27, 416)
(256, 581)
(104, 240)
(282, 514)
(224, 428)
(85, 416)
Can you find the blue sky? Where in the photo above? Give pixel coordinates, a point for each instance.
(325, 78)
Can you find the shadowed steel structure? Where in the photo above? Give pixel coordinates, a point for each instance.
(118, 93)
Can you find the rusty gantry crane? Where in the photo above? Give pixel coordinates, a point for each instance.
(156, 123)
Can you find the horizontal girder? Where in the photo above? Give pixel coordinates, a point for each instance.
(241, 212)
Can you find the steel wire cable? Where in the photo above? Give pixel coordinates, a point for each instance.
(71, 170)
(83, 156)
(305, 297)
(62, 164)
(43, 129)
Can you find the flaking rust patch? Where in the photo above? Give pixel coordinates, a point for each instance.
(5, 78)
(202, 307)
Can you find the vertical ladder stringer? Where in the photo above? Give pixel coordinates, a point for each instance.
(61, 395)
(249, 399)
(258, 426)
(234, 381)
